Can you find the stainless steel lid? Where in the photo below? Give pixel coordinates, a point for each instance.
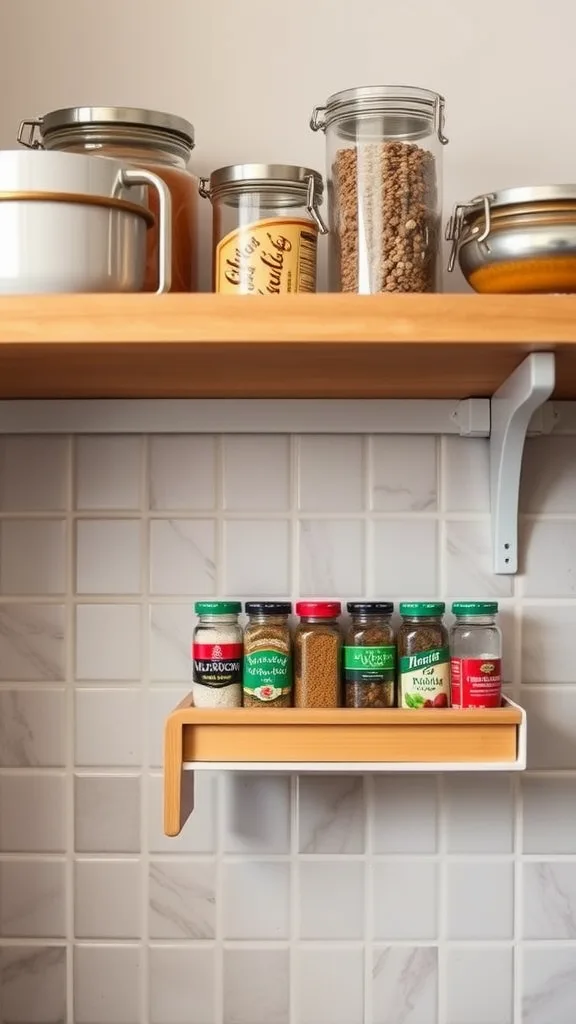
(412, 109)
(257, 175)
(524, 194)
(71, 118)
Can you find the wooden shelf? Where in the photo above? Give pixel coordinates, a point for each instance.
(342, 740)
(317, 346)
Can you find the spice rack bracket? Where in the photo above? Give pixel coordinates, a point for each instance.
(342, 740)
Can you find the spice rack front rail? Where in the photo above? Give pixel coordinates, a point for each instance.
(340, 740)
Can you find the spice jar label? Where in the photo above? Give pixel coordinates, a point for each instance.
(267, 674)
(476, 682)
(369, 664)
(217, 664)
(425, 679)
(268, 257)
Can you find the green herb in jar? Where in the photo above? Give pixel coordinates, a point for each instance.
(369, 656)
(423, 656)
(267, 680)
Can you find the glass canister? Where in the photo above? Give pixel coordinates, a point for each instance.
(267, 677)
(265, 224)
(217, 650)
(317, 645)
(160, 142)
(476, 653)
(369, 656)
(384, 146)
(423, 656)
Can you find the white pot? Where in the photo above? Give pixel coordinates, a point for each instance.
(76, 223)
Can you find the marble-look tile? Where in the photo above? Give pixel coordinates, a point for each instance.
(256, 472)
(108, 556)
(256, 557)
(549, 985)
(331, 473)
(32, 899)
(31, 643)
(405, 900)
(108, 727)
(331, 557)
(33, 984)
(107, 814)
(548, 475)
(405, 814)
(32, 728)
(479, 986)
(183, 557)
(549, 558)
(161, 701)
(480, 900)
(171, 629)
(469, 563)
(547, 634)
(182, 985)
(33, 473)
(552, 734)
(404, 985)
(404, 473)
(479, 814)
(330, 985)
(33, 813)
(405, 558)
(268, 1001)
(108, 472)
(331, 814)
(107, 984)
(32, 556)
(256, 899)
(549, 815)
(182, 472)
(182, 899)
(320, 914)
(108, 642)
(199, 836)
(107, 899)
(256, 813)
(549, 900)
(467, 480)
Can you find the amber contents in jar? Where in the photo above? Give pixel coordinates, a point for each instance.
(184, 194)
(554, 274)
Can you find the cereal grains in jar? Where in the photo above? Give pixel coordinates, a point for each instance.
(369, 656)
(423, 656)
(267, 678)
(476, 652)
(317, 645)
(217, 651)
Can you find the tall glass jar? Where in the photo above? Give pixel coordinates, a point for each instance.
(369, 656)
(267, 679)
(317, 644)
(384, 146)
(217, 651)
(423, 656)
(160, 142)
(476, 653)
(265, 224)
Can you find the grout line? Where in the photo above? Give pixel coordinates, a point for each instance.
(294, 899)
(222, 792)
(369, 811)
(145, 731)
(69, 674)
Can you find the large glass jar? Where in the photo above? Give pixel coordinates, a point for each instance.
(369, 656)
(267, 677)
(217, 650)
(476, 653)
(384, 163)
(317, 645)
(160, 142)
(265, 224)
(423, 656)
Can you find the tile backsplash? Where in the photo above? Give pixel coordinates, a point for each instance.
(314, 900)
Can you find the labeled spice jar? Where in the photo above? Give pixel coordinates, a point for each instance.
(423, 656)
(384, 180)
(267, 678)
(317, 644)
(265, 224)
(217, 650)
(369, 656)
(476, 655)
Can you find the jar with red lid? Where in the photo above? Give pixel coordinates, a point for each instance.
(317, 647)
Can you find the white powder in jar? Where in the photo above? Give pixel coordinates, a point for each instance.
(217, 652)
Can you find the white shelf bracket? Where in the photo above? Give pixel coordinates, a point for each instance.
(512, 408)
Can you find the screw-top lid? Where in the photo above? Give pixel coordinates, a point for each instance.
(475, 607)
(130, 117)
(268, 607)
(217, 607)
(422, 609)
(319, 609)
(370, 607)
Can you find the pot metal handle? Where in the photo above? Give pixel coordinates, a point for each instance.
(130, 176)
(28, 138)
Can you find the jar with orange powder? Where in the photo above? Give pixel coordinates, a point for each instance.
(160, 142)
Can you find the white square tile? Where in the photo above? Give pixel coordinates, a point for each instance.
(549, 815)
(171, 630)
(256, 899)
(108, 642)
(331, 557)
(107, 814)
(331, 473)
(181, 985)
(547, 635)
(257, 556)
(549, 561)
(467, 474)
(269, 999)
(32, 818)
(256, 813)
(469, 568)
(183, 556)
(405, 899)
(107, 984)
(552, 734)
(32, 728)
(549, 892)
(182, 472)
(331, 814)
(549, 985)
(31, 643)
(480, 900)
(32, 899)
(33, 984)
(108, 472)
(405, 814)
(404, 985)
(199, 835)
(479, 814)
(479, 986)
(548, 475)
(404, 473)
(108, 556)
(256, 473)
(32, 556)
(33, 473)
(107, 899)
(182, 899)
(330, 986)
(321, 914)
(405, 558)
(161, 701)
(108, 727)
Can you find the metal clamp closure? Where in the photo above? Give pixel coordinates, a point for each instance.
(456, 223)
(312, 206)
(29, 140)
(317, 123)
(439, 119)
(204, 188)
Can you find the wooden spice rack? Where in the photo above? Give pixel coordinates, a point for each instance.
(341, 740)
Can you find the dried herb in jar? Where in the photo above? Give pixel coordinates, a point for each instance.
(369, 656)
(267, 678)
(423, 656)
(317, 644)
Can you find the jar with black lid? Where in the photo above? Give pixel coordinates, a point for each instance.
(267, 680)
(369, 656)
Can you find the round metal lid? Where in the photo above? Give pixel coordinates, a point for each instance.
(257, 175)
(529, 194)
(371, 98)
(134, 117)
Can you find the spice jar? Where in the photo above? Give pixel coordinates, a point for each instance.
(384, 180)
(476, 653)
(267, 677)
(160, 142)
(217, 655)
(369, 656)
(423, 656)
(317, 644)
(265, 224)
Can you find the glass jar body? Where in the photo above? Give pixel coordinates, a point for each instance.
(423, 662)
(476, 659)
(217, 651)
(267, 678)
(317, 646)
(369, 662)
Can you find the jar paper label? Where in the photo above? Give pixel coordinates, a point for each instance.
(369, 664)
(267, 674)
(217, 664)
(268, 257)
(476, 682)
(425, 679)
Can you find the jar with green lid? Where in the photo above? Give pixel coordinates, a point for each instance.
(476, 653)
(423, 656)
(267, 679)
(217, 651)
(369, 656)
